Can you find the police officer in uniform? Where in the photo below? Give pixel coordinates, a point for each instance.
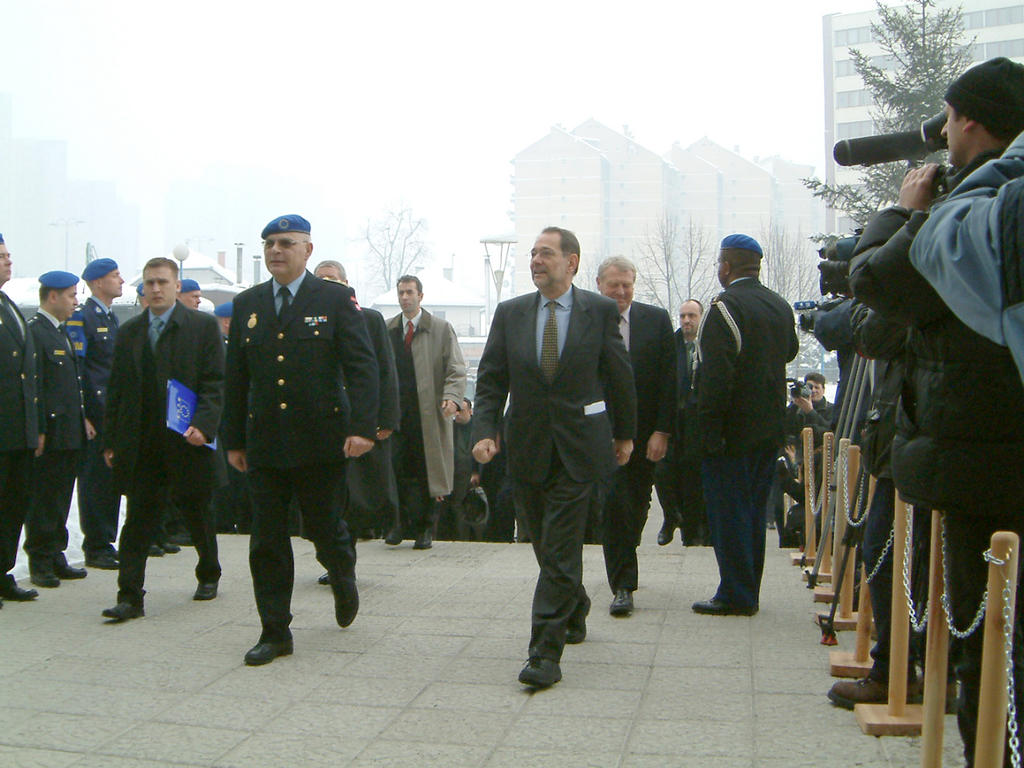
(60, 392)
(93, 331)
(301, 397)
(19, 432)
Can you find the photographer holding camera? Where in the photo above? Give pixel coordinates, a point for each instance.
(959, 443)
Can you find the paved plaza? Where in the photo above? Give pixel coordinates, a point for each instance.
(426, 676)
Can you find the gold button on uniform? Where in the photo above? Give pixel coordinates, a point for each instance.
(280, 358)
(280, 335)
(280, 382)
(284, 406)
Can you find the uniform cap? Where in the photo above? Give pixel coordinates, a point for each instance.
(223, 310)
(98, 268)
(58, 279)
(742, 242)
(290, 222)
(188, 285)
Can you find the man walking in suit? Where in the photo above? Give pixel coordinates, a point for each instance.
(301, 397)
(558, 356)
(93, 331)
(647, 334)
(745, 340)
(152, 463)
(65, 431)
(20, 435)
(431, 384)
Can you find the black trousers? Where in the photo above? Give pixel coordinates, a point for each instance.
(99, 501)
(555, 512)
(625, 514)
(271, 560)
(417, 509)
(46, 527)
(677, 480)
(146, 503)
(15, 496)
(372, 492)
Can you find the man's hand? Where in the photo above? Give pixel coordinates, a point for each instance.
(383, 434)
(194, 437)
(236, 459)
(449, 408)
(485, 450)
(40, 445)
(90, 430)
(657, 446)
(474, 480)
(356, 446)
(804, 404)
(108, 457)
(917, 191)
(623, 450)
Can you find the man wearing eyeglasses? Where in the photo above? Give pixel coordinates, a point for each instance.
(301, 397)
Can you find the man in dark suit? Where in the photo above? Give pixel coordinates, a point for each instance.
(152, 463)
(647, 334)
(558, 356)
(60, 392)
(677, 477)
(301, 397)
(93, 331)
(745, 340)
(20, 435)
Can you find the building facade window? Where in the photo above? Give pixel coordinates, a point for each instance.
(861, 98)
(997, 17)
(855, 129)
(853, 36)
(1009, 48)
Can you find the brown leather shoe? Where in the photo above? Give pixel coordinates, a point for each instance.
(848, 693)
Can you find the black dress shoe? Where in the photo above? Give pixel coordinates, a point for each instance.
(622, 605)
(104, 561)
(346, 600)
(715, 607)
(155, 550)
(424, 541)
(206, 591)
(264, 653)
(169, 547)
(123, 612)
(540, 673)
(44, 579)
(16, 594)
(324, 580)
(577, 631)
(394, 537)
(665, 534)
(65, 571)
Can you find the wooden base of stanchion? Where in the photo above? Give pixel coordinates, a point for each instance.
(797, 559)
(824, 577)
(875, 720)
(845, 664)
(841, 623)
(824, 594)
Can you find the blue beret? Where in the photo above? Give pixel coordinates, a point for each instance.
(223, 310)
(58, 279)
(98, 268)
(138, 289)
(188, 285)
(744, 242)
(1, 239)
(290, 222)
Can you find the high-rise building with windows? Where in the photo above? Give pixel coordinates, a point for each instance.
(993, 27)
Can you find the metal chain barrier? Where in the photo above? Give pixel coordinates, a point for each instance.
(917, 623)
(1011, 704)
(860, 502)
(978, 617)
(881, 558)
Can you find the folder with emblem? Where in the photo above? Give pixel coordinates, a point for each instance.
(181, 405)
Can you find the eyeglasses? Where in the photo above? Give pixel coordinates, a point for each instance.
(282, 242)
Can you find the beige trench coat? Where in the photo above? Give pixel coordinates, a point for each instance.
(440, 375)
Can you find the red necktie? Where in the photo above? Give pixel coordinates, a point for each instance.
(408, 335)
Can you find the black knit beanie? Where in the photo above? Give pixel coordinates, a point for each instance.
(991, 93)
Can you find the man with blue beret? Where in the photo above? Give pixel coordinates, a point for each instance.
(190, 293)
(94, 331)
(65, 431)
(20, 436)
(300, 398)
(744, 342)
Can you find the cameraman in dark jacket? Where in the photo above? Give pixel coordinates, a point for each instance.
(959, 444)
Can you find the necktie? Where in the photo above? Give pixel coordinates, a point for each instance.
(549, 345)
(64, 335)
(624, 331)
(155, 329)
(286, 300)
(112, 320)
(408, 335)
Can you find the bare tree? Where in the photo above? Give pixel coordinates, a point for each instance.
(673, 261)
(790, 263)
(697, 259)
(396, 246)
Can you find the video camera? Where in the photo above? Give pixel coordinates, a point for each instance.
(835, 265)
(799, 388)
(889, 147)
(807, 311)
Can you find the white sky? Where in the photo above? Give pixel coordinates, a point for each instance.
(379, 102)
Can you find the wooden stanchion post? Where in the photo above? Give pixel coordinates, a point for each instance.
(936, 656)
(825, 494)
(810, 532)
(1002, 574)
(858, 663)
(896, 718)
(826, 594)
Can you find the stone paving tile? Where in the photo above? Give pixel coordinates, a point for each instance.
(362, 723)
(61, 731)
(583, 703)
(112, 761)
(569, 734)
(388, 753)
(351, 688)
(449, 727)
(521, 757)
(24, 757)
(702, 737)
(470, 696)
(685, 760)
(173, 742)
(225, 712)
(274, 750)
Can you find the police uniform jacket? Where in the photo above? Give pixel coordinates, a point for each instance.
(190, 350)
(19, 406)
(99, 334)
(297, 387)
(745, 340)
(570, 414)
(59, 383)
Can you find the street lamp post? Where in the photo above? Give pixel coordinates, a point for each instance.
(181, 252)
(503, 247)
(67, 224)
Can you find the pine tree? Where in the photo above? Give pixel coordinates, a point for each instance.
(924, 51)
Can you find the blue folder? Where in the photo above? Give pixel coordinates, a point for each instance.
(181, 405)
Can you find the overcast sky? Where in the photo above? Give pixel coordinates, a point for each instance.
(375, 103)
